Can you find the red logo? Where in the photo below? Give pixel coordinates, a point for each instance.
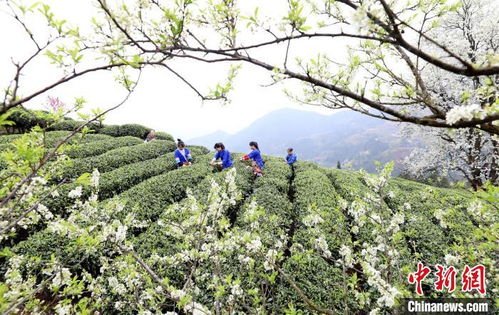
(472, 278)
(446, 278)
(419, 276)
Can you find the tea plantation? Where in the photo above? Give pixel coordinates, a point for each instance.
(339, 235)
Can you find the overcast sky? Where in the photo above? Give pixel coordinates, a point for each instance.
(161, 101)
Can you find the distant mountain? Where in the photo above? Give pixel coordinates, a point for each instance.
(354, 139)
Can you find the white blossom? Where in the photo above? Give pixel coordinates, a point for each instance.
(178, 294)
(121, 233)
(312, 220)
(439, 215)
(44, 211)
(465, 113)
(254, 244)
(94, 178)
(346, 253)
(236, 290)
(63, 309)
(355, 229)
(75, 193)
(61, 278)
(322, 246)
(451, 260)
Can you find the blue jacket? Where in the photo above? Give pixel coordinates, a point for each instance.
(291, 158)
(224, 155)
(181, 158)
(256, 156)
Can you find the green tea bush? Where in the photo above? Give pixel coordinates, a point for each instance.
(314, 248)
(133, 130)
(118, 157)
(111, 130)
(50, 140)
(313, 187)
(243, 181)
(100, 147)
(123, 178)
(160, 135)
(68, 125)
(428, 239)
(45, 244)
(25, 120)
(118, 180)
(52, 137)
(348, 184)
(320, 280)
(199, 150)
(271, 192)
(149, 198)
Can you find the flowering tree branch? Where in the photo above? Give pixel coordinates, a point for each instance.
(385, 24)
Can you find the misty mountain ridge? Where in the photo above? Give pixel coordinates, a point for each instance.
(354, 139)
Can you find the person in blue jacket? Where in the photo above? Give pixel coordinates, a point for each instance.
(291, 157)
(182, 154)
(223, 155)
(254, 155)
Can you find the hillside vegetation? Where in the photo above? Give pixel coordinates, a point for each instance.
(344, 240)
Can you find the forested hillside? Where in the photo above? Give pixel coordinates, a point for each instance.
(137, 234)
(351, 138)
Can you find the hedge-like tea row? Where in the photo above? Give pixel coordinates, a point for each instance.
(313, 187)
(118, 157)
(243, 179)
(51, 137)
(348, 184)
(271, 191)
(26, 119)
(100, 147)
(422, 229)
(316, 276)
(118, 180)
(154, 240)
(133, 130)
(149, 198)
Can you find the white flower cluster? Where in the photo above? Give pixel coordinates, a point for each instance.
(388, 292)
(63, 308)
(62, 277)
(322, 246)
(465, 113)
(236, 290)
(116, 286)
(439, 215)
(358, 211)
(270, 259)
(478, 211)
(94, 178)
(397, 220)
(76, 193)
(346, 253)
(45, 212)
(254, 245)
(312, 220)
(195, 308)
(451, 260)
